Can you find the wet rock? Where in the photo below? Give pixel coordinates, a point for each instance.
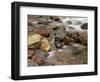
(71, 28)
(45, 45)
(79, 37)
(38, 60)
(69, 22)
(60, 34)
(83, 37)
(58, 44)
(68, 40)
(30, 53)
(55, 18)
(53, 47)
(32, 63)
(46, 22)
(42, 31)
(41, 53)
(35, 45)
(84, 26)
(75, 36)
(33, 39)
(30, 28)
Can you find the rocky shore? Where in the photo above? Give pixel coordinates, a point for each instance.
(57, 40)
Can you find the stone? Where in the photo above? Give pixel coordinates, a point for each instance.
(38, 59)
(84, 26)
(60, 34)
(55, 18)
(42, 31)
(79, 37)
(30, 53)
(69, 22)
(71, 28)
(58, 44)
(35, 46)
(68, 40)
(83, 37)
(34, 38)
(41, 53)
(46, 22)
(45, 45)
(75, 36)
(32, 63)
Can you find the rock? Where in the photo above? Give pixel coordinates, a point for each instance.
(69, 22)
(68, 40)
(32, 63)
(42, 31)
(74, 36)
(41, 53)
(60, 34)
(45, 45)
(71, 28)
(35, 45)
(53, 47)
(38, 60)
(44, 22)
(55, 18)
(79, 37)
(30, 28)
(83, 37)
(33, 39)
(84, 26)
(30, 53)
(58, 44)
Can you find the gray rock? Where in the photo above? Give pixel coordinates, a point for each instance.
(60, 34)
(32, 63)
(41, 53)
(58, 44)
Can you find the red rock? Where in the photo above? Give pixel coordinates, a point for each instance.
(42, 31)
(38, 59)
